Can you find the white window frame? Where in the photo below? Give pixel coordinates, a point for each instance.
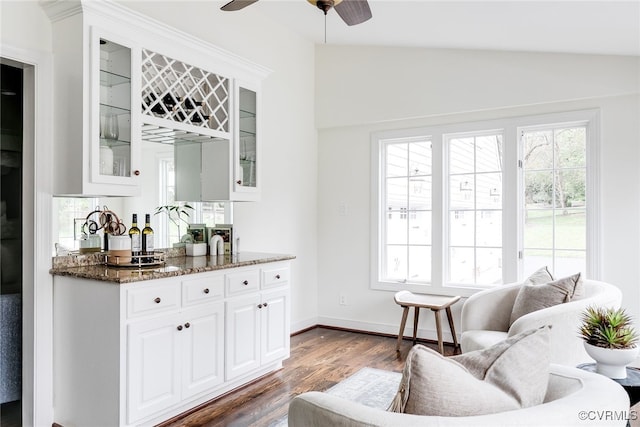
(383, 229)
(195, 217)
(512, 200)
(590, 119)
(446, 138)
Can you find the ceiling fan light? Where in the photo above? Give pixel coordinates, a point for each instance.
(324, 5)
(314, 2)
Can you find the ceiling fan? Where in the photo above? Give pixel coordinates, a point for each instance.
(352, 12)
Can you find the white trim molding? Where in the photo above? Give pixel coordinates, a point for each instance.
(37, 350)
(510, 128)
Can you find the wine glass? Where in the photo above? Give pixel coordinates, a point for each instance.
(110, 129)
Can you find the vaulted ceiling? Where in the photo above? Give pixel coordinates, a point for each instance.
(598, 27)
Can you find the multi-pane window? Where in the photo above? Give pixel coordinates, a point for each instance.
(407, 211)
(480, 204)
(72, 213)
(475, 208)
(555, 203)
(208, 213)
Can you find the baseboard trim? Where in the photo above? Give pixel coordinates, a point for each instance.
(428, 335)
(304, 325)
(378, 334)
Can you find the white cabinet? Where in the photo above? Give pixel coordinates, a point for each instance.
(154, 354)
(257, 327)
(96, 108)
(202, 350)
(140, 353)
(120, 79)
(175, 357)
(246, 166)
(274, 317)
(242, 336)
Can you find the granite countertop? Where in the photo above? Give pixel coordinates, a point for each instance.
(92, 266)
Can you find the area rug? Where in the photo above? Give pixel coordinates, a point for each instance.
(371, 387)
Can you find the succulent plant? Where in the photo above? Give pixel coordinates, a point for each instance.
(608, 328)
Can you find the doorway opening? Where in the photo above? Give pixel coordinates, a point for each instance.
(11, 244)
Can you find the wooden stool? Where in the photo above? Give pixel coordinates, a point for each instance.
(436, 303)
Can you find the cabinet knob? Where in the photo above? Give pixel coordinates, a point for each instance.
(206, 290)
(265, 304)
(239, 182)
(187, 325)
(246, 282)
(259, 305)
(136, 172)
(179, 327)
(277, 276)
(157, 300)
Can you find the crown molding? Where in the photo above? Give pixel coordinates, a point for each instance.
(58, 10)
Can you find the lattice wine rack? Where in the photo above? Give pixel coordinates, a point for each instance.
(183, 93)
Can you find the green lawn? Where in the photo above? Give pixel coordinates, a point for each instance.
(570, 229)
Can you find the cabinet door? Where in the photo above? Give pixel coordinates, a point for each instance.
(153, 374)
(246, 182)
(203, 349)
(242, 334)
(274, 316)
(114, 147)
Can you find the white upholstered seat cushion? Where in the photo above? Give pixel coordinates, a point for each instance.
(479, 339)
(487, 313)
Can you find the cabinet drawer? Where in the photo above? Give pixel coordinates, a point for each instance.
(155, 299)
(201, 290)
(241, 282)
(275, 277)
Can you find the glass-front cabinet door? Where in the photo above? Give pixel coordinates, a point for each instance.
(114, 145)
(246, 159)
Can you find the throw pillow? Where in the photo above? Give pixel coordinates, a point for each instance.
(510, 375)
(540, 276)
(518, 365)
(531, 298)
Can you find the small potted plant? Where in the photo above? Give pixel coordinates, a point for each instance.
(610, 339)
(176, 214)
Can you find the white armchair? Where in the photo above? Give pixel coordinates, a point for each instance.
(486, 316)
(574, 398)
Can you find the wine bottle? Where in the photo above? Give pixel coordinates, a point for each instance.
(169, 101)
(150, 101)
(190, 103)
(147, 240)
(179, 116)
(106, 233)
(134, 233)
(197, 118)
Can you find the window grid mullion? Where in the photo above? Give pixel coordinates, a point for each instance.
(406, 273)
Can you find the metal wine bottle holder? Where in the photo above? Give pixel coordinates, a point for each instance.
(103, 219)
(107, 220)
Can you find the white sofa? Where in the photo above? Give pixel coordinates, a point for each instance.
(486, 315)
(574, 398)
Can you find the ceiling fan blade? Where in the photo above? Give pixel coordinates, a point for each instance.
(234, 5)
(353, 11)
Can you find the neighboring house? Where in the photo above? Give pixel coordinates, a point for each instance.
(321, 105)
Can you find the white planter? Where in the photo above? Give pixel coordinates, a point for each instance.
(612, 362)
(196, 249)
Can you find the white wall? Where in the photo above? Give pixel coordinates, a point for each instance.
(383, 88)
(284, 221)
(24, 25)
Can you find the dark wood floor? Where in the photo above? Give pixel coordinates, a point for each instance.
(320, 358)
(11, 414)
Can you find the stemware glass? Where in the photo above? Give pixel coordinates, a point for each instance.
(110, 129)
